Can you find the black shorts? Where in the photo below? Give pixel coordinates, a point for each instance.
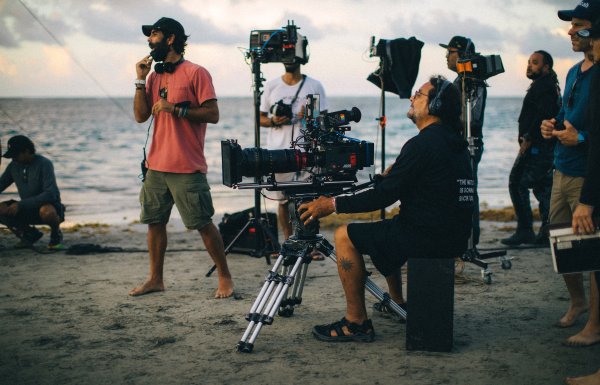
(384, 241)
(32, 216)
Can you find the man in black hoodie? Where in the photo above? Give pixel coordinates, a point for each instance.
(533, 167)
(433, 180)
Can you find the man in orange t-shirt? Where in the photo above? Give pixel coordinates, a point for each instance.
(180, 96)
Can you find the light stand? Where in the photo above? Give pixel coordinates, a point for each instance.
(382, 121)
(265, 241)
(473, 255)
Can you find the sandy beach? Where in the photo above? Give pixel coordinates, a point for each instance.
(67, 319)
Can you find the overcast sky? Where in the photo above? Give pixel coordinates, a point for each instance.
(105, 38)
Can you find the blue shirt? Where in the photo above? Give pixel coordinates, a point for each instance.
(571, 160)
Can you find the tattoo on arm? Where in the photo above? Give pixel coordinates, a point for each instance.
(345, 264)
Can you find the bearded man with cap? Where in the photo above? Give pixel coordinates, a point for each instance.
(33, 174)
(181, 98)
(458, 48)
(570, 130)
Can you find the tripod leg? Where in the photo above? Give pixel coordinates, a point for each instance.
(266, 316)
(286, 308)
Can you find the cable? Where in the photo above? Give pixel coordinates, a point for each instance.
(76, 61)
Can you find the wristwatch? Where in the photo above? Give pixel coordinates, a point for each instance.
(140, 83)
(580, 138)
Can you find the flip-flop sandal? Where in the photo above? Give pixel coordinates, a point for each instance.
(385, 311)
(361, 333)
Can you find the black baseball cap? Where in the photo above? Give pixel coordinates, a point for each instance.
(165, 24)
(17, 144)
(586, 9)
(461, 43)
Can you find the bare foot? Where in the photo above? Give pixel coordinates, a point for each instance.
(583, 338)
(571, 316)
(147, 288)
(225, 288)
(592, 379)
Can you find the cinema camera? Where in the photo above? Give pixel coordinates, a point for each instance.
(322, 150)
(283, 45)
(480, 67)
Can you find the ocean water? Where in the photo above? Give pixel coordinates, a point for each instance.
(96, 147)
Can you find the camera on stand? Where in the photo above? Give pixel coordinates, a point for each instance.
(331, 158)
(283, 45)
(479, 67)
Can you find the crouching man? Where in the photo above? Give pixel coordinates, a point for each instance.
(40, 203)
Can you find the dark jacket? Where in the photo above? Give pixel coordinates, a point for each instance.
(433, 180)
(542, 101)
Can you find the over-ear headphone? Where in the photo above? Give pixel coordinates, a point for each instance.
(469, 48)
(167, 67)
(435, 105)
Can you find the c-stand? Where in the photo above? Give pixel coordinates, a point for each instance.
(473, 255)
(290, 271)
(266, 242)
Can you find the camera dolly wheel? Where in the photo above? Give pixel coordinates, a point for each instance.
(486, 275)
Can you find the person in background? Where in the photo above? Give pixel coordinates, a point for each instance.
(583, 222)
(33, 174)
(570, 131)
(533, 167)
(284, 129)
(180, 96)
(459, 48)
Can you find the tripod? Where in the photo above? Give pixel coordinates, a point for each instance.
(266, 242)
(289, 271)
(473, 255)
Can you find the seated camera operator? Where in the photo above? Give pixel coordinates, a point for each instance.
(432, 179)
(282, 109)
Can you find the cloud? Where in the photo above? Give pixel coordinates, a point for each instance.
(535, 39)
(18, 25)
(107, 21)
(433, 29)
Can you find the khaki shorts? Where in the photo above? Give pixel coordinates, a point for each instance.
(566, 191)
(189, 192)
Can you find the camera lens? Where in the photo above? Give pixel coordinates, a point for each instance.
(259, 161)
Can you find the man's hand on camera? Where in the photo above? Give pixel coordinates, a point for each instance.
(162, 105)
(568, 136)
(319, 208)
(547, 128)
(142, 68)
